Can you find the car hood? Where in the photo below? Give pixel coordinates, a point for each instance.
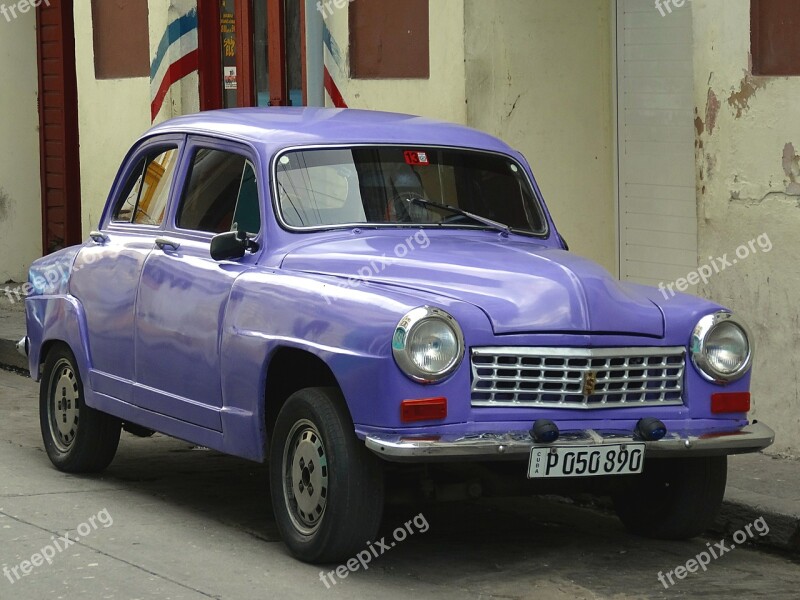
(522, 286)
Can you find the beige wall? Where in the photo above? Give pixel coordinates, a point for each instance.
(112, 115)
(20, 190)
(539, 77)
(747, 166)
(440, 97)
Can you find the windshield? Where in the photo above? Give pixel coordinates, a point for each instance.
(405, 186)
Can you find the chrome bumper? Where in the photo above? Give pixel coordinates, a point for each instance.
(22, 347)
(494, 446)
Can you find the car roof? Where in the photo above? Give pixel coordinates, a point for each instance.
(280, 127)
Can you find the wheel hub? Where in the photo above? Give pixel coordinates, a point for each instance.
(306, 480)
(64, 407)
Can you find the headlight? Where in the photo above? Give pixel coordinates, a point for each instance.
(428, 344)
(721, 348)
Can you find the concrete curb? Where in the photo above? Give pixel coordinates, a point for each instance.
(737, 511)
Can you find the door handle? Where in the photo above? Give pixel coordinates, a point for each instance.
(163, 243)
(98, 237)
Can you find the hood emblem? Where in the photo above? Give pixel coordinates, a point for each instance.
(589, 383)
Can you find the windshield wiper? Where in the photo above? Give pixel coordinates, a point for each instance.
(504, 229)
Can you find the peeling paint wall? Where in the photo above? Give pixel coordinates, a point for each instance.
(539, 76)
(20, 192)
(748, 184)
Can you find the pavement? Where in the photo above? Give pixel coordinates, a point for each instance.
(759, 485)
(171, 521)
(12, 325)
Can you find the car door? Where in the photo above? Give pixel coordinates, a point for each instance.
(106, 272)
(183, 292)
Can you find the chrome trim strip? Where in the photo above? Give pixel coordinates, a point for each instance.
(580, 352)
(493, 446)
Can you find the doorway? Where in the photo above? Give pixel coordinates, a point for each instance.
(252, 53)
(58, 126)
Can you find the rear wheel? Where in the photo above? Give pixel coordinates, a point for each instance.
(327, 488)
(674, 498)
(78, 439)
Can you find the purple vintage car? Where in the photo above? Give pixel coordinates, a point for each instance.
(347, 294)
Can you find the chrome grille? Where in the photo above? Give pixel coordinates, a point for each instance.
(580, 378)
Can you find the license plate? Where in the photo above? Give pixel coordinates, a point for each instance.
(586, 461)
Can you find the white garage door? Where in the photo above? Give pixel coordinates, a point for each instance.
(657, 198)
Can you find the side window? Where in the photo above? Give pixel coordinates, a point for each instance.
(144, 198)
(222, 190)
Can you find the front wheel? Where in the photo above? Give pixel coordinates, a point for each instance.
(673, 499)
(327, 488)
(77, 438)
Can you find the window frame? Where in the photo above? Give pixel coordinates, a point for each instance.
(201, 142)
(756, 33)
(359, 68)
(112, 59)
(141, 151)
(275, 197)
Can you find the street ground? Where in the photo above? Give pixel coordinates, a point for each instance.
(169, 521)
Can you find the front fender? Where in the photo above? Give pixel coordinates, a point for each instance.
(349, 329)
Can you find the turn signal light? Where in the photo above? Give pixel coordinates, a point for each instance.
(424, 409)
(730, 402)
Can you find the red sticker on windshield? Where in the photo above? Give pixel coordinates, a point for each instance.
(414, 157)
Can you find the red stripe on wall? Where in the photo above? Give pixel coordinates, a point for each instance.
(177, 71)
(333, 91)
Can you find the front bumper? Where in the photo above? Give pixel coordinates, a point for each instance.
(494, 446)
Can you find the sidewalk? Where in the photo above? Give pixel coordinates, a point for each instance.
(763, 486)
(758, 485)
(12, 328)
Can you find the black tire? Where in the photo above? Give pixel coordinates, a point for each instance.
(673, 499)
(77, 438)
(316, 457)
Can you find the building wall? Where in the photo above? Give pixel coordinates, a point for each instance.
(20, 189)
(538, 75)
(440, 97)
(748, 167)
(111, 115)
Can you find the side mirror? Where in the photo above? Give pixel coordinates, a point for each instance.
(231, 245)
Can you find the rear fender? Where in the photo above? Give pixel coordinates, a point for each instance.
(57, 319)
